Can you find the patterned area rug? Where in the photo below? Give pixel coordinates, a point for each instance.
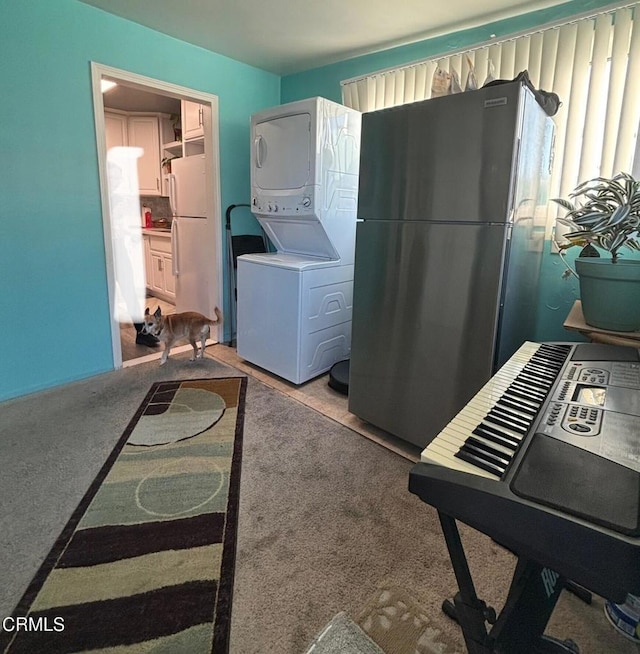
(146, 562)
(392, 622)
(398, 624)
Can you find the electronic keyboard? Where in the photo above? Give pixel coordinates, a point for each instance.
(545, 459)
(485, 435)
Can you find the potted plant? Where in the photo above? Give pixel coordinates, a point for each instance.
(604, 213)
(177, 128)
(166, 164)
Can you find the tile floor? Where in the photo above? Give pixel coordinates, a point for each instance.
(132, 351)
(317, 395)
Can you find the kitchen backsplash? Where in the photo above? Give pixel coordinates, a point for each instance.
(159, 205)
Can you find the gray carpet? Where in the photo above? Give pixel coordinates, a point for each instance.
(325, 515)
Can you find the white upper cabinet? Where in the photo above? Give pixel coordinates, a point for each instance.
(115, 126)
(192, 120)
(122, 129)
(144, 133)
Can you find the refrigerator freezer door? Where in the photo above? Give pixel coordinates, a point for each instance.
(446, 159)
(192, 265)
(187, 184)
(426, 306)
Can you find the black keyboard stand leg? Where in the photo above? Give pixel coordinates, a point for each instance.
(519, 629)
(467, 609)
(579, 591)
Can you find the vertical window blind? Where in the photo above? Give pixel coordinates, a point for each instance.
(592, 63)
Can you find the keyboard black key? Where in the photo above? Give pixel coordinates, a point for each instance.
(509, 424)
(483, 454)
(536, 382)
(490, 433)
(516, 420)
(539, 371)
(526, 409)
(522, 396)
(532, 393)
(478, 462)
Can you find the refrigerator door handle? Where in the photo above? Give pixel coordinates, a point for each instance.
(514, 181)
(172, 193)
(175, 248)
(258, 141)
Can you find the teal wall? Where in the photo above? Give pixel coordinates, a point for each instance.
(54, 310)
(556, 294)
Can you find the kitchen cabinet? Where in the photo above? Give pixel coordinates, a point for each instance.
(159, 265)
(192, 120)
(116, 130)
(143, 132)
(194, 115)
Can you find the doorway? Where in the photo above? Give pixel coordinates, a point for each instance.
(139, 98)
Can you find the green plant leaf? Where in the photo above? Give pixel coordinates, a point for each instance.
(591, 218)
(566, 222)
(565, 204)
(604, 211)
(618, 241)
(619, 215)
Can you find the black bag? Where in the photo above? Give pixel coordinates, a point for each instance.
(550, 102)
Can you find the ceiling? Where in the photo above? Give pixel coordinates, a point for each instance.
(288, 36)
(127, 98)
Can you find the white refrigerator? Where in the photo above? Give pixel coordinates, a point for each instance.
(191, 246)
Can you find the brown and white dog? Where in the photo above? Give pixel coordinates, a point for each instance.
(173, 327)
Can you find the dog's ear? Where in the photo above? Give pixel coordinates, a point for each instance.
(158, 313)
(146, 311)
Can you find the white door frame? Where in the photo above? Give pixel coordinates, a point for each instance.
(212, 150)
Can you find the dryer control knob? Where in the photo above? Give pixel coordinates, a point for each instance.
(306, 201)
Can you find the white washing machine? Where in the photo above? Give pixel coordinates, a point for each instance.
(294, 306)
(294, 315)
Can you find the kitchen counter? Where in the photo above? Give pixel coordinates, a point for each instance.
(157, 231)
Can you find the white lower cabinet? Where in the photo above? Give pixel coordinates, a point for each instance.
(158, 262)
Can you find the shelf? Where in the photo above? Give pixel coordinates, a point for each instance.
(194, 146)
(175, 147)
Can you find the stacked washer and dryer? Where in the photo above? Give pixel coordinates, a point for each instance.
(295, 305)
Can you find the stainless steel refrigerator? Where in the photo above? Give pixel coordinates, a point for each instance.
(451, 201)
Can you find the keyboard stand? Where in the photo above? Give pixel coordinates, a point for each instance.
(571, 586)
(520, 626)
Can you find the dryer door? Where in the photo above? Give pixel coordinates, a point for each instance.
(281, 153)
